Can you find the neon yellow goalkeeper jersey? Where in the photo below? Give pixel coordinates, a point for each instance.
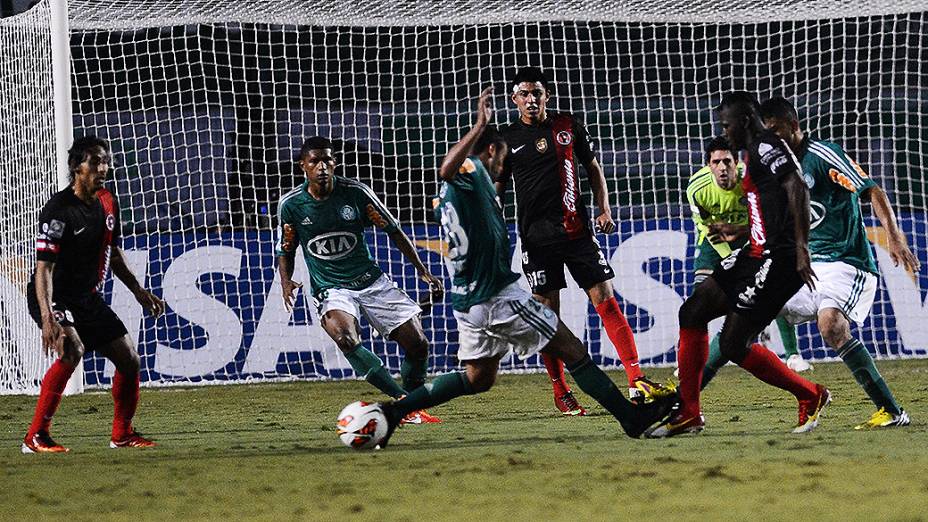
(710, 204)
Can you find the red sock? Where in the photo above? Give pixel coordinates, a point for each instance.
(691, 359)
(125, 402)
(555, 368)
(620, 333)
(766, 366)
(56, 378)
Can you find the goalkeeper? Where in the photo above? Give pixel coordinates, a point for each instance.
(716, 199)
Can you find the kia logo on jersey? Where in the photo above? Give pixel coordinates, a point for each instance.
(334, 245)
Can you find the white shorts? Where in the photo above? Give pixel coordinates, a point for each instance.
(385, 306)
(837, 285)
(510, 320)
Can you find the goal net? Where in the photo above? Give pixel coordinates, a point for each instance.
(205, 104)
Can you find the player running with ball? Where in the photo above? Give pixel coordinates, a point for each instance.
(841, 256)
(493, 313)
(327, 216)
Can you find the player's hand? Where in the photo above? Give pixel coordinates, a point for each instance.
(604, 223)
(719, 232)
(52, 337)
(485, 106)
(436, 287)
(900, 253)
(288, 287)
(152, 304)
(804, 267)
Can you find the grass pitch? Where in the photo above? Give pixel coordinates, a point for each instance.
(270, 452)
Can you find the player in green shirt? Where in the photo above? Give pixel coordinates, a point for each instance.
(841, 255)
(494, 314)
(327, 216)
(717, 202)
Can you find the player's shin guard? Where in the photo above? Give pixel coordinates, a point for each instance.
(413, 372)
(365, 362)
(125, 403)
(56, 378)
(767, 366)
(620, 333)
(715, 362)
(691, 359)
(860, 362)
(555, 369)
(441, 390)
(595, 383)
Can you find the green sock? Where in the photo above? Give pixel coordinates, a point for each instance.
(788, 335)
(595, 383)
(367, 364)
(413, 372)
(441, 390)
(715, 362)
(858, 360)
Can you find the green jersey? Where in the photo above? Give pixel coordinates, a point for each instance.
(836, 229)
(478, 241)
(331, 232)
(711, 204)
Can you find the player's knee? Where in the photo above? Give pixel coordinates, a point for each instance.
(482, 381)
(73, 352)
(131, 363)
(834, 333)
(419, 346)
(689, 314)
(346, 340)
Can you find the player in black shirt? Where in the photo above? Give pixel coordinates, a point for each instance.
(77, 241)
(751, 285)
(546, 149)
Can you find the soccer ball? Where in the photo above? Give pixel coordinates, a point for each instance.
(361, 425)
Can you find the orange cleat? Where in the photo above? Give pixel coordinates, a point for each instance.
(41, 442)
(420, 417)
(132, 440)
(568, 405)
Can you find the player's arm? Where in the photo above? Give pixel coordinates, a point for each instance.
(52, 332)
(459, 152)
(797, 195)
(898, 245)
(285, 249)
(717, 234)
(584, 150)
(149, 301)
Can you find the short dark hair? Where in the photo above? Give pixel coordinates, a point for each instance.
(79, 149)
(314, 143)
(780, 108)
(720, 143)
(742, 100)
(489, 137)
(531, 75)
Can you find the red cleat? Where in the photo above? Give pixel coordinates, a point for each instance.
(41, 442)
(132, 440)
(811, 411)
(568, 405)
(420, 417)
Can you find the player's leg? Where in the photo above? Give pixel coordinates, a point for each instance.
(564, 398)
(791, 346)
(342, 327)
(707, 303)
(411, 338)
(760, 362)
(836, 331)
(125, 392)
(38, 438)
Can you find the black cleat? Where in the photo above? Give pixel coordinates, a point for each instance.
(394, 419)
(648, 414)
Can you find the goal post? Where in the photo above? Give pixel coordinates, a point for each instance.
(205, 104)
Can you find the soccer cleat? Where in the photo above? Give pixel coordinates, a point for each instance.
(41, 442)
(646, 390)
(393, 421)
(798, 364)
(568, 405)
(810, 411)
(677, 424)
(884, 419)
(420, 417)
(132, 440)
(647, 414)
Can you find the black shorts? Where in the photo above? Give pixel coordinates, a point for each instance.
(544, 266)
(758, 288)
(96, 324)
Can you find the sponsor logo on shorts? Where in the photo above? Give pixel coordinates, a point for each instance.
(564, 137)
(334, 245)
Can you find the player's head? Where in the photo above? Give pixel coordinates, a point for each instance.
(530, 92)
(739, 117)
(781, 117)
(722, 160)
(318, 162)
(492, 149)
(88, 162)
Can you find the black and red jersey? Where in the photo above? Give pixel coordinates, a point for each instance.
(77, 237)
(768, 159)
(544, 163)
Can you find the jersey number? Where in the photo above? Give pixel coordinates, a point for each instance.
(457, 238)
